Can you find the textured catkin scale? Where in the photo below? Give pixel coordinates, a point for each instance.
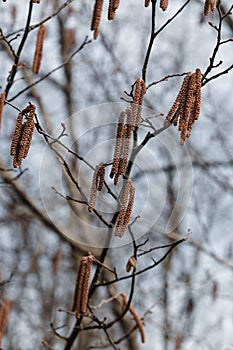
(96, 17)
(2, 102)
(163, 4)
(39, 49)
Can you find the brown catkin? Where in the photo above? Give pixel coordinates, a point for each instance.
(125, 150)
(129, 207)
(81, 287)
(101, 175)
(139, 92)
(186, 108)
(163, 4)
(93, 191)
(39, 49)
(213, 5)
(36, 1)
(206, 7)
(127, 200)
(118, 144)
(195, 112)
(4, 315)
(112, 7)
(2, 102)
(131, 263)
(136, 317)
(111, 11)
(22, 135)
(147, 3)
(86, 284)
(97, 11)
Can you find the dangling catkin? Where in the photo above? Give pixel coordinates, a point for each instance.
(81, 288)
(139, 92)
(131, 263)
(135, 316)
(147, 3)
(100, 176)
(93, 191)
(22, 135)
(186, 108)
(97, 11)
(206, 7)
(2, 102)
(118, 144)
(127, 201)
(39, 49)
(213, 5)
(164, 4)
(4, 314)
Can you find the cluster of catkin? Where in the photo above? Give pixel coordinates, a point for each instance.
(128, 120)
(2, 102)
(22, 136)
(97, 184)
(209, 5)
(82, 286)
(127, 201)
(39, 49)
(135, 316)
(97, 12)
(186, 108)
(4, 314)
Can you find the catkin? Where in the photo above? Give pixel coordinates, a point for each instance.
(97, 184)
(139, 92)
(186, 108)
(213, 5)
(39, 49)
(131, 263)
(4, 315)
(127, 201)
(206, 7)
(81, 288)
(136, 317)
(2, 102)
(147, 3)
(93, 192)
(97, 11)
(22, 135)
(112, 7)
(100, 176)
(164, 4)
